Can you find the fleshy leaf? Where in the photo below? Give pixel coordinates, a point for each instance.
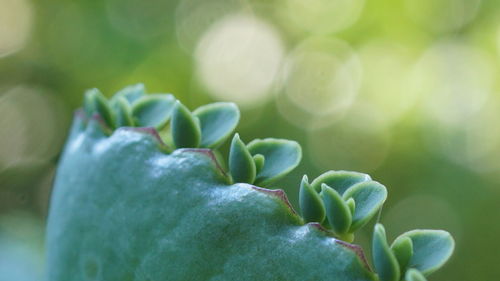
(337, 211)
(88, 102)
(123, 113)
(339, 180)
(403, 250)
(369, 197)
(281, 156)
(385, 262)
(259, 162)
(414, 275)
(431, 249)
(311, 205)
(130, 93)
(97, 103)
(241, 163)
(217, 121)
(351, 204)
(185, 127)
(153, 110)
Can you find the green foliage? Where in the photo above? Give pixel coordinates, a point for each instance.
(217, 121)
(153, 110)
(311, 206)
(420, 251)
(125, 207)
(241, 163)
(186, 130)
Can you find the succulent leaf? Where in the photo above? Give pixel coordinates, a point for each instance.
(241, 163)
(403, 251)
(351, 204)
(311, 205)
(97, 103)
(385, 262)
(153, 110)
(369, 197)
(414, 275)
(204, 227)
(123, 113)
(431, 249)
(185, 127)
(339, 180)
(337, 211)
(259, 161)
(281, 156)
(217, 121)
(130, 93)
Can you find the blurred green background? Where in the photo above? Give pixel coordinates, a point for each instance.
(405, 90)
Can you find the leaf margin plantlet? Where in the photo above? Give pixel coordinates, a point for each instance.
(260, 162)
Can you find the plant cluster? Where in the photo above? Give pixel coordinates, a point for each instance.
(341, 202)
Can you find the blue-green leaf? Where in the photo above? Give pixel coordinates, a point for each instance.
(130, 93)
(339, 180)
(431, 249)
(123, 113)
(95, 102)
(185, 127)
(414, 275)
(369, 197)
(153, 110)
(311, 205)
(217, 121)
(385, 262)
(281, 157)
(402, 248)
(241, 163)
(337, 211)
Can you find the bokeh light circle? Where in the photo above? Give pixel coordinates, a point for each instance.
(322, 16)
(386, 74)
(32, 126)
(454, 80)
(322, 76)
(16, 18)
(238, 59)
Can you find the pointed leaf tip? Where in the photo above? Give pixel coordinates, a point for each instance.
(431, 249)
(369, 197)
(186, 131)
(337, 211)
(123, 113)
(339, 180)
(153, 110)
(311, 205)
(281, 156)
(385, 262)
(130, 93)
(241, 163)
(95, 102)
(217, 121)
(414, 275)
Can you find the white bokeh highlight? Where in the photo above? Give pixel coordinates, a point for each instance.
(238, 59)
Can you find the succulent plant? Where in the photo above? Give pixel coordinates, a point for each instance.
(141, 193)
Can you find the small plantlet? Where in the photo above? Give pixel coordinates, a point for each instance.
(141, 194)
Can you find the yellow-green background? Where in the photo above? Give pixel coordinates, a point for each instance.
(405, 90)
